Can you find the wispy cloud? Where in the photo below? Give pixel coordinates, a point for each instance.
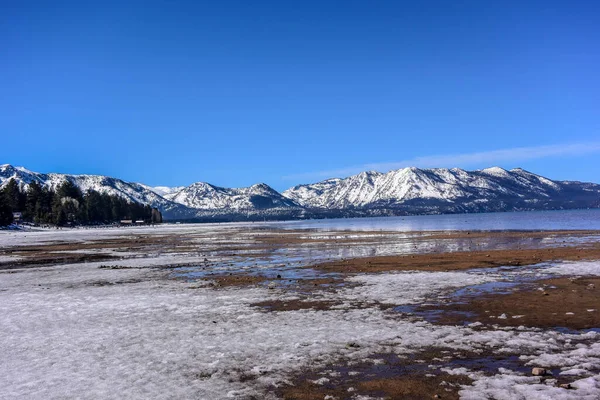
(477, 159)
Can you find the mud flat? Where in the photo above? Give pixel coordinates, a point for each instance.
(570, 303)
(252, 311)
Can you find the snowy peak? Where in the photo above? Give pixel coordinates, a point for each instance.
(163, 190)
(189, 202)
(134, 192)
(404, 191)
(437, 189)
(204, 196)
(496, 171)
(22, 175)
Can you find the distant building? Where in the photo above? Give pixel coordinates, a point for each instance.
(126, 222)
(17, 216)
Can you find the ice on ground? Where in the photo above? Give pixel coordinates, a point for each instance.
(78, 331)
(575, 268)
(517, 387)
(5, 258)
(409, 287)
(582, 356)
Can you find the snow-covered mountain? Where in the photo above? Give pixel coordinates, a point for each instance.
(204, 196)
(400, 192)
(103, 184)
(197, 201)
(163, 190)
(414, 190)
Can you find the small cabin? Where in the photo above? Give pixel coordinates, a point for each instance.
(17, 216)
(126, 222)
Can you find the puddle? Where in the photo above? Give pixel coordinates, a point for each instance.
(433, 315)
(500, 287)
(570, 331)
(510, 279)
(390, 366)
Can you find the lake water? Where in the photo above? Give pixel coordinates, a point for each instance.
(530, 220)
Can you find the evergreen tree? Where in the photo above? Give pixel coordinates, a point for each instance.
(156, 216)
(6, 217)
(93, 207)
(43, 208)
(68, 189)
(13, 196)
(67, 205)
(33, 198)
(60, 217)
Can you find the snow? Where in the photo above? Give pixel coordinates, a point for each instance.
(403, 185)
(157, 338)
(517, 387)
(434, 190)
(409, 287)
(576, 268)
(164, 190)
(79, 331)
(103, 184)
(204, 196)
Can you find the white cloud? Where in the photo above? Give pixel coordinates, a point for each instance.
(478, 159)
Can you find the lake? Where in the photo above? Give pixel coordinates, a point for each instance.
(527, 220)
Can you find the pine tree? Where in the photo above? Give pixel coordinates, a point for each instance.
(69, 189)
(6, 216)
(13, 196)
(67, 205)
(93, 207)
(60, 217)
(32, 200)
(43, 208)
(156, 216)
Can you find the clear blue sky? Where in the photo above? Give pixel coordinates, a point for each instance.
(237, 92)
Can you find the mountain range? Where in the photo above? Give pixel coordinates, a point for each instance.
(407, 191)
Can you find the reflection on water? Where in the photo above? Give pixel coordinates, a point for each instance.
(287, 257)
(325, 240)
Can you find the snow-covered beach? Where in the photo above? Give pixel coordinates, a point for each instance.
(149, 320)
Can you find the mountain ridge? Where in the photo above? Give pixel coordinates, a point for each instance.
(406, 191)
(258, 201)
(441, 190)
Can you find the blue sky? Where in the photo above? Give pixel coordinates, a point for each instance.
(237, 92)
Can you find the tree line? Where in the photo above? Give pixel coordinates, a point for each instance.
(67, 205)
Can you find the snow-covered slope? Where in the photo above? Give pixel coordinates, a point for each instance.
(404, 191)
(443, 190)
(103, 184)
(204, 196)
(200, 200)
(163, 190)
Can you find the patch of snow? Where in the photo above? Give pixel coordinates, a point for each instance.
(517, 387)
(408, 287)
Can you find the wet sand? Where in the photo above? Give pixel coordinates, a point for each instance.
(462, 260)
(572, 303)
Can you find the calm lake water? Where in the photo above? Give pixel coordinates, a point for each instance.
(530, 220)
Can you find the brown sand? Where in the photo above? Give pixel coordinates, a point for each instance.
(294, 305)
(409, 387)
(548, 308)
(236, 280)
(460, 260)
(393, 377)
